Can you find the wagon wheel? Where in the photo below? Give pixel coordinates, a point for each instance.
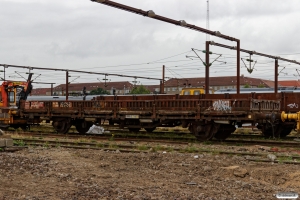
(83, 126)
(224, 131)
(270, 130)
(149, 130)
(204, 132)
(135, 130)
(61, 125)
(280, 130)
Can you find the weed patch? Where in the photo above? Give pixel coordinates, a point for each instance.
(142, 148)
(157, 148)
(112, 138)
(191, 149)
(100, 145)
(19, 143)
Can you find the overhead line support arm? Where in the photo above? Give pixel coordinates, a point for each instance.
(78, 71)
(151, 14)
(276, 58)
(182, 23)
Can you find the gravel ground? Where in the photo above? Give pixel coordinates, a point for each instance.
(59, 173)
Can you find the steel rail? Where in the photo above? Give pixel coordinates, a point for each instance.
(147, 149)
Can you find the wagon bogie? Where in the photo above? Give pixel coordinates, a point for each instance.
(62, 124)
(82, 126)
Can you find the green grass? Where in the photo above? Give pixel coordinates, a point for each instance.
(170, 149)
(205, 150)
(157, 148)
(142, 148)
(19, 143)
(191, 149)
(100, 145)
(283, 159)
(82, 140)
(112, 138)
(207, 142)
(215, 152)
(113, 146)
(57, 145)
(46, 144)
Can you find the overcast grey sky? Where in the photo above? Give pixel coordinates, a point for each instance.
(84, 35)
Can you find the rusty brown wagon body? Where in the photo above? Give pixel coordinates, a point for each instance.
(206, 115)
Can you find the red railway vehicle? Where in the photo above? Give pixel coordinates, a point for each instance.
(12, 92)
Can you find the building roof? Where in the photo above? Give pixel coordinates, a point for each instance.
(216, 81)
(290, 83)
(173, 82)
(40, 91)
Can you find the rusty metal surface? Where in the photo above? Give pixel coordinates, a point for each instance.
(214, 106)
(207, 65)
(139, 105)
(256, 53)
(238, 60)
(182, 23)
(144, 111)
(164, 19)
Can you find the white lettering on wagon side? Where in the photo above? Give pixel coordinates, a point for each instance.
(65, 104)
(222, 105)
(293, 105)
(36, 104)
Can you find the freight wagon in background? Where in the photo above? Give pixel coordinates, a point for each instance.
(195, 91)
(207, 116)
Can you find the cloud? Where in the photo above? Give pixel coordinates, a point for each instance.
(76, 33)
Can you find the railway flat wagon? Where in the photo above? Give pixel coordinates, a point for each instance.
(205, 115)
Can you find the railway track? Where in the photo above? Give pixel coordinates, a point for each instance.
(176, 134)
(110, 137)
(162, 137)
(117, 141)
(142, 148)
(236, 140)
(168, 137)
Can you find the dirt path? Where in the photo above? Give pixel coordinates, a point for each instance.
(58, 173)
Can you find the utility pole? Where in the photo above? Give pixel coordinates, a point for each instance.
(162, 83)
(4, 66)
(207, 20)
(105, 79)
(67, 85)
(135, 82)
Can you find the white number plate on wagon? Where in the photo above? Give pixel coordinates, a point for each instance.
(132, 116)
